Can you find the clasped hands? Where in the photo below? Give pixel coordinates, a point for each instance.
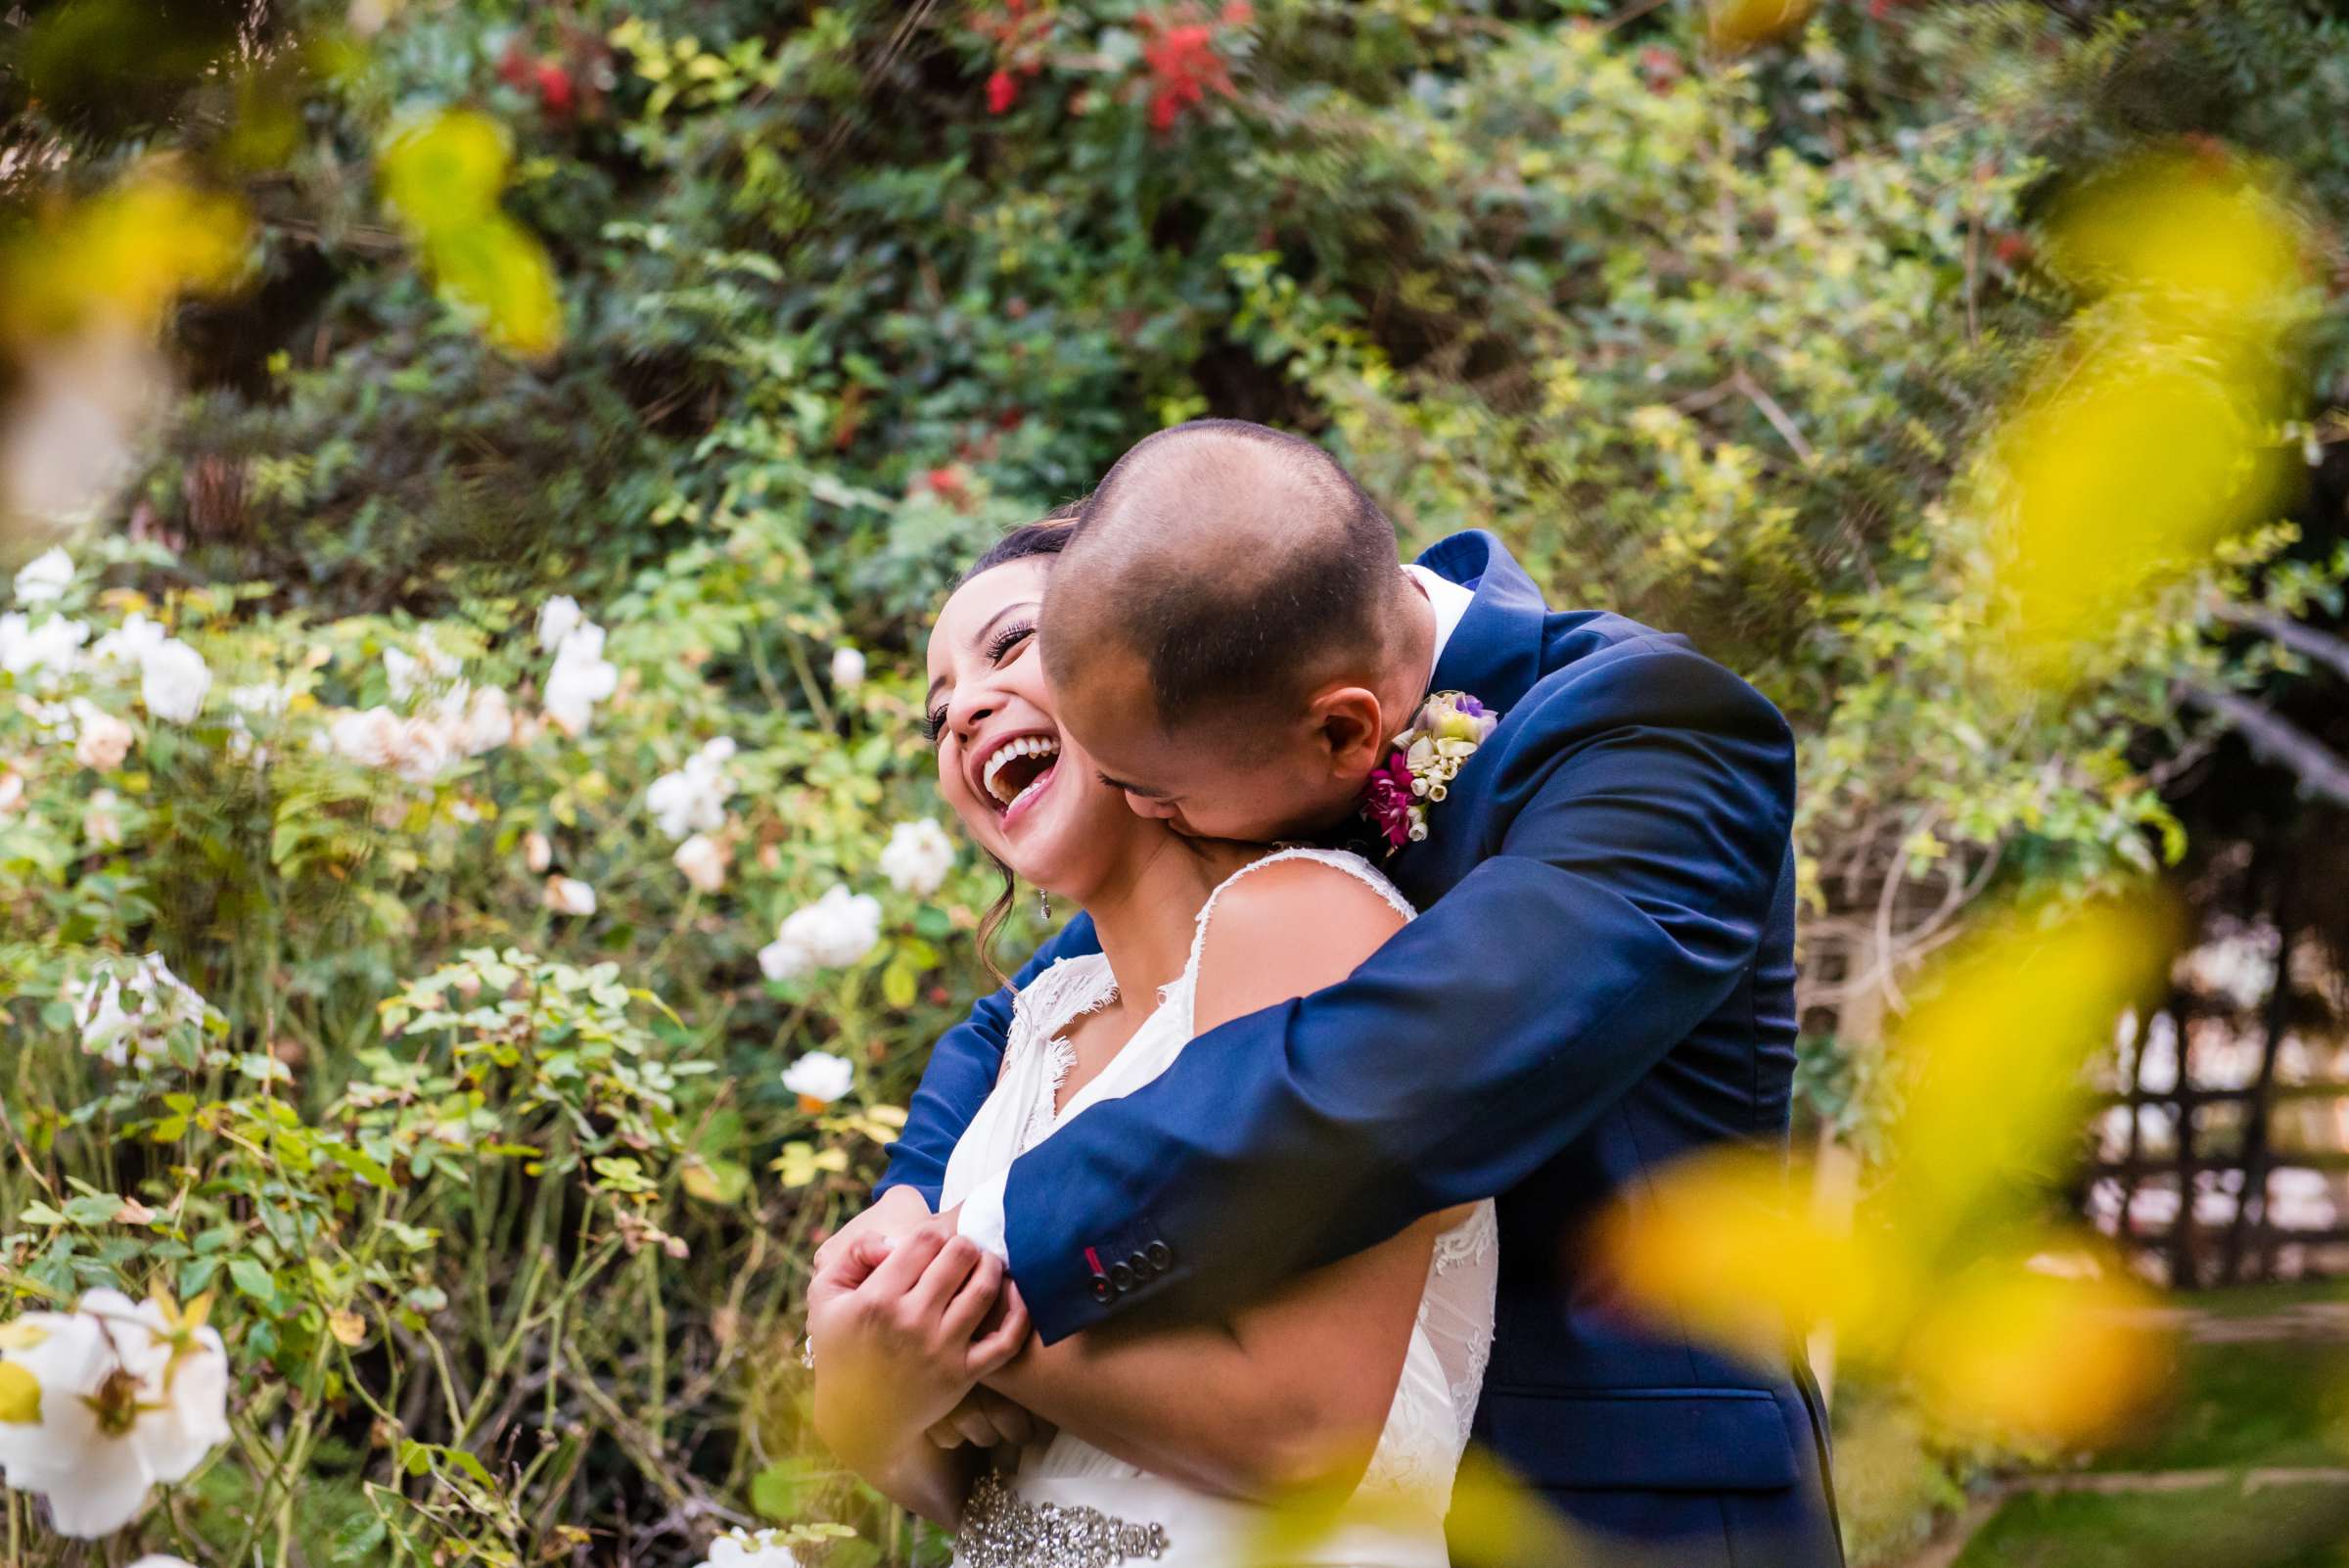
(905, 1318)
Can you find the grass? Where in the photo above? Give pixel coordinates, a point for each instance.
(2239, 1406)
(2274, 1527)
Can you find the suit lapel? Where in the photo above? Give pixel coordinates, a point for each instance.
(1494, 654)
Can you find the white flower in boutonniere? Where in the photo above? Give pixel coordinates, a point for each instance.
(1449, 728)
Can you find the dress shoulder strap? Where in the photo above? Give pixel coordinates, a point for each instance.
(1346, 860)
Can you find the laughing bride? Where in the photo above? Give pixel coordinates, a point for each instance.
(1354, 1386)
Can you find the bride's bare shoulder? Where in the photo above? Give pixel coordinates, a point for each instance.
(1284, 929)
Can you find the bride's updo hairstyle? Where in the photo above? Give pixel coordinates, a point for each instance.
(1047, 535)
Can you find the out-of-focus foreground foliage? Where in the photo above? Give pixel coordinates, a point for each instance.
(744, 326)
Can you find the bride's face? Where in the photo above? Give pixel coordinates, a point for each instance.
(1027, 794)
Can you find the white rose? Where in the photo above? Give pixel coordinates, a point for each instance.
(103, 741)
(918, 857)
(52, 648)
(172, 681)
(131, 642)
(569, 895)
(371, 739)
(98, 822)
(536, 852)
(487, 722)
(424, 750)
(740, 1549)
(702, 863)
(580, 678)
(162, 1559)
(819, 1077)
(557, 619)
(848, 668)
(832, 932)
(45, 578)
(693, 799)
(122, 1408)
(11, 791)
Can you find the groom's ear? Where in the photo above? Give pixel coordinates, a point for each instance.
(1350, 730)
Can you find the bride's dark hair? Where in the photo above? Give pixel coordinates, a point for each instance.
(1047, 535)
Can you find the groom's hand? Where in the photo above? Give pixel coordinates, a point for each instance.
(897, 1213)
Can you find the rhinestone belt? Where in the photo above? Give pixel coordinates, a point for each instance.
(1000, 1531)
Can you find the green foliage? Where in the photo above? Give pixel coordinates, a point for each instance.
(506, 1209)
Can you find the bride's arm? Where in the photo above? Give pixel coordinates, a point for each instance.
(1293, 1391)
(1287, 1399)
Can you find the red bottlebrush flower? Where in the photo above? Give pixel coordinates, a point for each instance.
(1661, 67)
(2011, 250)
(554, 87)
(1183, 66)
(1002, 91)
(1238, 14)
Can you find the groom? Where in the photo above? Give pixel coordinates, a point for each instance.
(1602, 980)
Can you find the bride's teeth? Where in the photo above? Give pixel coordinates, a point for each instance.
(1026, 745)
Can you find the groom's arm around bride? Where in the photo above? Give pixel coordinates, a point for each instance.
(1601, 980)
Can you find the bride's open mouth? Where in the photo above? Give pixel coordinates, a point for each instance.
(1017, 770)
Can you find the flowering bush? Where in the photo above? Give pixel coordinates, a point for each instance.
(470, 901)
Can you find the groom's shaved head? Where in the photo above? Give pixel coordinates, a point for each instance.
(1237, 566)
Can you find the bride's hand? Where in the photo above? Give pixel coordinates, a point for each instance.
(985, 1419)
(900, 1335)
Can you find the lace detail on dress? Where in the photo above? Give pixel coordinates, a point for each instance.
(1040, 1018)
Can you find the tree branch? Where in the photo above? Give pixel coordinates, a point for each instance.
(2321, 647)
(2278, 740)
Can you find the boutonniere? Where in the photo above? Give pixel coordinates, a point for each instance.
(1446, 731)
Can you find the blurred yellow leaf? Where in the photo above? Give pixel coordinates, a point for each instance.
(1995, 1047)
(1729, 1244)
(2007, 1353)
(347, 1327)
(2196, 233)
(446, 169)
(120, 258)
(1743, 24)
(1927, 1277)
(441, 174)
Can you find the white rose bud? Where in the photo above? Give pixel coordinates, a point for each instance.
(537, 853)
(569, 895)
(557, 618)
(918, 857)
(848, 668)
(819, 1077)
(702, 863)
(45, 578)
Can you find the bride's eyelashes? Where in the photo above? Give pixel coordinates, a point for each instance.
(999, 647)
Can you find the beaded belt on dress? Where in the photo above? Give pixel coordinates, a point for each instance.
(1001, 1531)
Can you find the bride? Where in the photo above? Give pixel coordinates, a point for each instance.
(1185, 1443)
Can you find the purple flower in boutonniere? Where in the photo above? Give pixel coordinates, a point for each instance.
(1449, 728)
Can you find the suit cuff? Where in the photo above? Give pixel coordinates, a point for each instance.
(982, 1216)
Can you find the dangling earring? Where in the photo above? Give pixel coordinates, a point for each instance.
(1043, 903)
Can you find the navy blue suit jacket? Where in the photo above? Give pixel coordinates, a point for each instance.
(1602, 980)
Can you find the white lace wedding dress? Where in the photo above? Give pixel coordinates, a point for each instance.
(1068, 1503)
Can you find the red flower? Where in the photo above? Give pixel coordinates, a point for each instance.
(2011, 250)
(1002, 91)
(1238, 14)
(1183, 64)
(514, 65)
(554, 87)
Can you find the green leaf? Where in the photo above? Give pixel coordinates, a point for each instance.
(252, 1281)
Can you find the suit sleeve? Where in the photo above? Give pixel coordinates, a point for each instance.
(963, 1067)
(1646, 815)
